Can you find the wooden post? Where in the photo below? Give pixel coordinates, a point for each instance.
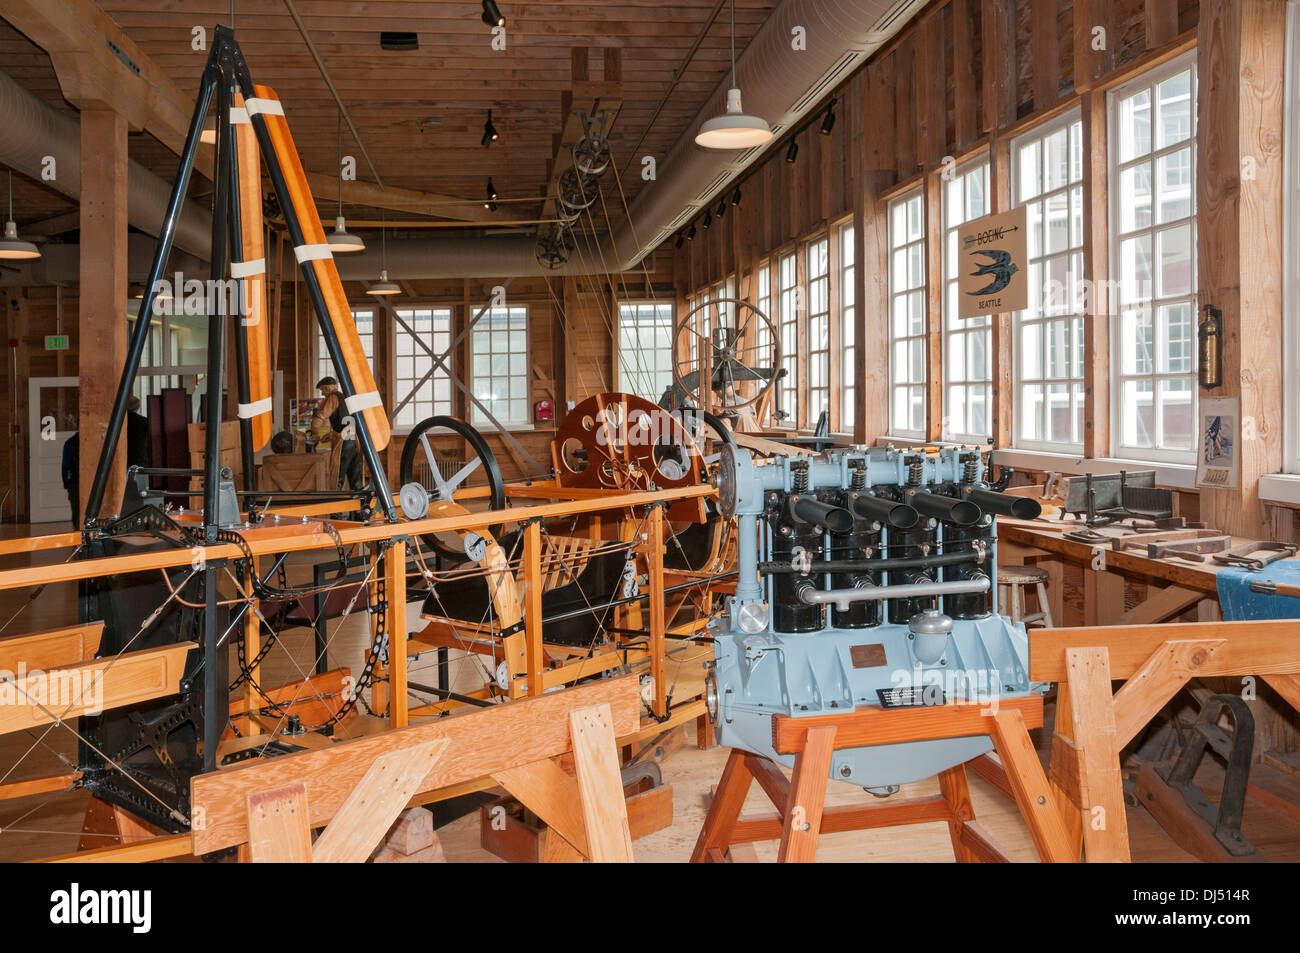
(395, 624)
(803, 815)
(102, 326)
(1240, 52)
(1096, 255)
(534, 656)
(655, 559)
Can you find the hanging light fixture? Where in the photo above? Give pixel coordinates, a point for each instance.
(383, 286)
(828, 120)
(492, 14)
(11, 247)
(490, 134)
(340, 240)
(491, 203)
(733, 129)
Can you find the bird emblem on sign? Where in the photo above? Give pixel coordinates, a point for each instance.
(999, 266)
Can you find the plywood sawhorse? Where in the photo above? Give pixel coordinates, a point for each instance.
(356, 789)
(1093, 726)
(802, 816)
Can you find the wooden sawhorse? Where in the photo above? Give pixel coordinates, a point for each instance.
(1154, 662)
(802, 816)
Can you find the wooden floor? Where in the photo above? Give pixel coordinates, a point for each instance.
(48, 824)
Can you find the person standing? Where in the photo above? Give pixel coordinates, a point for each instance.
(71, 477)
(320, 430)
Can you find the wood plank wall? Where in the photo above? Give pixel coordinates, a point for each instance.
(962, 79)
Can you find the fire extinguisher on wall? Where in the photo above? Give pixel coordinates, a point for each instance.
(1210, 350)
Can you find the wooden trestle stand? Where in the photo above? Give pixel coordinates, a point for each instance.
(802, 816)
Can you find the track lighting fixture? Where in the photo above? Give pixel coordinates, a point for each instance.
(492, 14)
(721, 210)
(490, 134)
(680, 239)
(690, 233)
(708, 219)
(735, 196)
(491, 203)
(828, 120)
(792, 152)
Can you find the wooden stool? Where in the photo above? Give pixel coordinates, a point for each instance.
(1015, 579)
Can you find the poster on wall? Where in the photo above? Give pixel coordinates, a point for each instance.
(993, 264)
(1218, 458)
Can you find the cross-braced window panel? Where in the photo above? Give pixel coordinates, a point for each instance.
(1153, 258)
(907, 315)
(789, 307)
(848, 346)
(967, 375)
(499, 375)
(420, 390)
(1047, 172)
(364, 319)
(645, 348)
(819, 316)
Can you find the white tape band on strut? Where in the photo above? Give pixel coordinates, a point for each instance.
(247, 269)
(267, 107)
(359, 402)
(312, 252)
(239, 116)
(255, 409)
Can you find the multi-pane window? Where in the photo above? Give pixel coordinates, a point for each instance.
(1153, 220)
(819, 315)
(499, 366)
(966, 341)
(907, 310)
(788, 306)
(364, 318)
(645, 349)
(847, 389)
(420, 390)
(1047, 340)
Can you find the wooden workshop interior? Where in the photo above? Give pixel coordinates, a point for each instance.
(707, 431)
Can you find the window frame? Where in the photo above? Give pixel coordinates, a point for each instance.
(915, 193)
(823, 353)
(1041, 132)
(789, 385)
(322, 352)
(396, 329)
(952, 327)
(655, 305)
(1150, 79)
(846, 386)
(472, 410)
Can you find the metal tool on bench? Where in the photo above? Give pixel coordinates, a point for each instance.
(1104, 498)
(1247, 555)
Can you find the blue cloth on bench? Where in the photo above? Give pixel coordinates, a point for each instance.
(1238, 602)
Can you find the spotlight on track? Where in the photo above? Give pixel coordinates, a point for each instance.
(708, 219)
(492, 14)
(490, 134)
(491, 203)
(735, 196)
(680, 240)
(721, 210)
(792, 152)
(828, 120)
(690, 233)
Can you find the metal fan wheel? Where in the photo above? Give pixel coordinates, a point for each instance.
(733, 352)
(624, 442)
(419, 447)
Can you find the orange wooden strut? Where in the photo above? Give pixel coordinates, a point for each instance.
(254, 249)
(340, 314)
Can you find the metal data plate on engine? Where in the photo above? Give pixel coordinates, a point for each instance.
(910, 696)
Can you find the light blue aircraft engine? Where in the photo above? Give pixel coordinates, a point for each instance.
(867, 577)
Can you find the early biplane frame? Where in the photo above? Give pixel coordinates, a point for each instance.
(165, 595)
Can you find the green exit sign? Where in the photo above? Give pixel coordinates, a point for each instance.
(56, 342)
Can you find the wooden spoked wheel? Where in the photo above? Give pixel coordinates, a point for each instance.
(624, 442)
(739, 353)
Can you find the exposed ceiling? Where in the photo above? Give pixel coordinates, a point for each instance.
(453, 78)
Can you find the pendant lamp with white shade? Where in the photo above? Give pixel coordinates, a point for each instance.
(734, 129)
(340, 240)
(11, 246)
(383, 286)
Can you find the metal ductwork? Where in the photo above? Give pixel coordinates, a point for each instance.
(780, 84)
(60, 264)
(30, 130)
